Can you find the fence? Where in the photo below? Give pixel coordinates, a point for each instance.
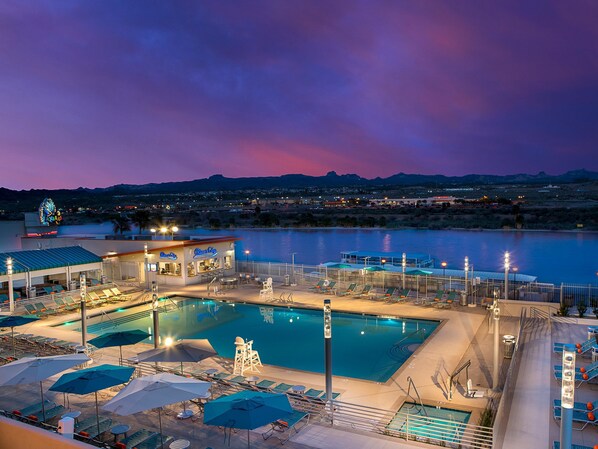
(570, 294)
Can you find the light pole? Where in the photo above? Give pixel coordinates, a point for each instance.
(11, 296)
(163, 230)
(83, 292)
(567, 395)
(365, 261)
(173, 229)
(155, 314)
(466, 269)
(496, 316)
(153, 231)
(507, 266)
(403, 266)
(328, 352)
(293, 266)
(383, 262)
(443, 265)
(515, 291)
(146, 262)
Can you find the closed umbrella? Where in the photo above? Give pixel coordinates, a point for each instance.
(157, 391)
(91, 380)
(247, 410)
(37, 369)
(13, 321)
(120, 339)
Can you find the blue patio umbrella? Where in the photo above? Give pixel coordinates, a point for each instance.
(13, 321)
(91, 380)
(418, 273)
(247, 410)
(340, 266)
(374, 268)
(120, 339)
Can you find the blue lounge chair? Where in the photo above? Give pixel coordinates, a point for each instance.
(580, 378)
(284, 428)
(364, 292)
(581, 406)
(582, 348)
(390, 291)
(264, 384)
(581, 418)
(591, 367)
(328, 288)
(557, 445)
(318, 286)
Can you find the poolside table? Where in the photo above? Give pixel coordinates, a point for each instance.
(74, 414)
(252, 380)
(299, 389)
(180, 444)
(119, 429)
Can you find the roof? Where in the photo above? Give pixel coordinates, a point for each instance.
(43, 259)
(394, 255)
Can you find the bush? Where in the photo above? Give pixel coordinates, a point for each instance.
(563, 310)
(582, 308)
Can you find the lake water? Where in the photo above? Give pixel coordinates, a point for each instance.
(570, 257)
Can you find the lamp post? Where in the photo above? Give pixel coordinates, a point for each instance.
(567, 395)
(507, 266)
(515, 292)
(466, 269)
(403, 266)
(146, 262)
(153, 231)
(173, 229)
(443, 265)
(163, 230)
(383, 262)
(11, 296)
(365, 261)
(328, 351)
(83, 292)
(155, 315)
(293, 267)
(495, 367)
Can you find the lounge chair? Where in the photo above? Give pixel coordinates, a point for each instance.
(90, 426)
(582, 348)
(121, 296)
(581, 406)
(70, 302)
(318, 286)
(327, 288)
(281, 388)
(313, 393)
(284, 428)
(31, 310)
(582, 369)
(95, 300)
(33, 409)
(364, 292)
(63, 306)
(154, 442)
(580, 378)
(349, 291)
(557, 445)
(48, 290)
(137, 438)
(581, 418)
(58, 288)
(438, 296)
(264, 384)
(41, 308)
(387, 294)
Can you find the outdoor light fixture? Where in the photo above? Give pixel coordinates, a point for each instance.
(168, 341)
(507, 266)
(404, 265)
(155, 316)
(328, 351)
(466, 269)
(247, 255)
(567, 395)
(83, 292)
(11, 297)
(443, 265)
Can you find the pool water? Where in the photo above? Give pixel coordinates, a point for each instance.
(445, 424)
(363, 346)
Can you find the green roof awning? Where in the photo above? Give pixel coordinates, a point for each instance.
(43, 259)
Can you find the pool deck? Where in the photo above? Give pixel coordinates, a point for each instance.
(463, 335)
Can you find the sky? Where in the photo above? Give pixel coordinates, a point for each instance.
(103, 92)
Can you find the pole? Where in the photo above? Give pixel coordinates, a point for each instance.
(507, 265)
(83, 291)
(11, 296)
(466, 269)
(293, 267)
(155, 319)
(403, 266)
(495, 367)
(328, 352)
(567, 395)
(146, 262)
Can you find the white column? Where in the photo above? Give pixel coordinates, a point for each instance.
(11, 297)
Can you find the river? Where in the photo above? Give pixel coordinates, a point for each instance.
(570, 257)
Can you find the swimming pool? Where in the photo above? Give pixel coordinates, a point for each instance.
(363, 346)
(429, 421)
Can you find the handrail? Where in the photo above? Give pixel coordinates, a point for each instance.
(104, 314)
(411, 383)
(412, 334)
(465, 367)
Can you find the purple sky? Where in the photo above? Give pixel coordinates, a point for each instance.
(97, 93)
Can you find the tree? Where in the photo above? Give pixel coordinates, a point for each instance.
(121, 224)
(141, 218)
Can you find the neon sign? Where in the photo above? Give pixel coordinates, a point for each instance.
(170, 255)
(48, 214)
(210, 251)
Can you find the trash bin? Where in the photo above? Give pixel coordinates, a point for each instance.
(72, 285)
(287, 279)
(104, 279)
(66, 427)
(508, 342)
(594, 355)
(463, 299)
(31, 292)
(592, 332)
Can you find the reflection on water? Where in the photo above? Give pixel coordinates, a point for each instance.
(552, 256)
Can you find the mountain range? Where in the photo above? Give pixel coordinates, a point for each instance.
(296, 181)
